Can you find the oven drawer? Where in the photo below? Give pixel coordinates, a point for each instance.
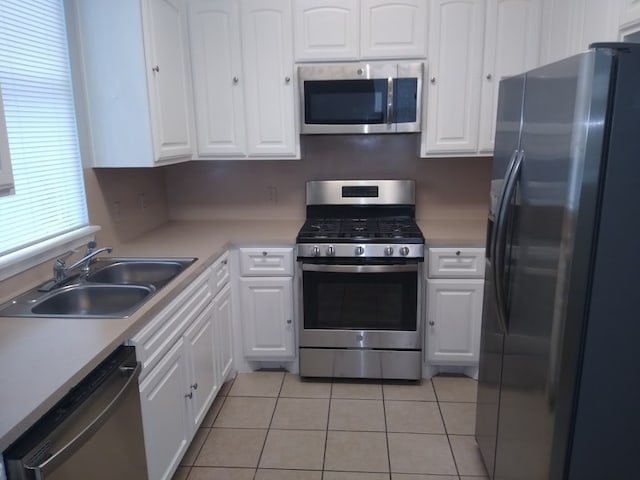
(456, 263)
(263, 262)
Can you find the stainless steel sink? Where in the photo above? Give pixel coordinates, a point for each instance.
(92, 300)
(113, 288)
(134, 272)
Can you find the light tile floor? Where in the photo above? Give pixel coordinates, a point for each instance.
(275, 426)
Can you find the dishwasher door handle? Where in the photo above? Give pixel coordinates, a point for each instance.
(57, 458)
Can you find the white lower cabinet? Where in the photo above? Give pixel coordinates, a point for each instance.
(186, 353)
(266, 303)
(267, 317)
(454, 316)
(165, 416)
(222, 332)
(455, 288)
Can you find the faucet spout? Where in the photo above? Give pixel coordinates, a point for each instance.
(60, 269)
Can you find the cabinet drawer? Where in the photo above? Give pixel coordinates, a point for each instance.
(220, 273)
(271, 261)
(161, 333)
(456, 262)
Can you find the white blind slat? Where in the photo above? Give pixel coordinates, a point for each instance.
(49, 197)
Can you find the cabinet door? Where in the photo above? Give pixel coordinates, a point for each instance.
(204, 383)
(223, 340)
(594, 21)
(6, 172)
(214, 27)
(267, 317)
(455, 68)
(630, 12)
(393, 29)
(267, 41)
(512, 45)
(166, 435)
(166, 41)
(326, 29)
(454, 317)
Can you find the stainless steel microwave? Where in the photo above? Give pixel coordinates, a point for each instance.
(360, 97)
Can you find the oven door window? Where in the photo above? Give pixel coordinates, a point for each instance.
(360, 301)
(350, 102)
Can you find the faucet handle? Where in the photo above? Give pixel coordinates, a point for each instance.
(61, 259)
(90, 246)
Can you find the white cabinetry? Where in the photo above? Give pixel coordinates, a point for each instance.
(266, 296)
(454, 306)
(630, 12)
(6, 172)
(472, 45)
(137, 81)
(455, 65)
(393, 29)
(242, 58)
(186, 355)
(360, 29)
(511, 46)
(326, 29)
(570, 26)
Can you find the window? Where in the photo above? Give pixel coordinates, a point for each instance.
(49, 202)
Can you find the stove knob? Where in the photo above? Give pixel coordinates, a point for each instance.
(359, 250)
(388, 251)
(331, 251)
(404, 251)
(315, 251)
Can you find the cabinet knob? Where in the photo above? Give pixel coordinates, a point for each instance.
(156, 69)
(489, 76)
(433, 80)
(264, 254)
(289, 321)
(236, 79)
(287, 79)
(189, 395)
(194, 386)
(432, 323)
(458, 253)
(360, 71)
(224, 262)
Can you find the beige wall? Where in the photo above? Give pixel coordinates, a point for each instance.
(449, 188)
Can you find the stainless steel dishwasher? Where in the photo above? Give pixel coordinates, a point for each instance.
(94, 432)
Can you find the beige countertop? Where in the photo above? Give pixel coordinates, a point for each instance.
(41, 359)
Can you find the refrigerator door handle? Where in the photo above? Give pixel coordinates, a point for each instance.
(500, 236)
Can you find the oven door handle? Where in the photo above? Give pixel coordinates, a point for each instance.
(314, 267)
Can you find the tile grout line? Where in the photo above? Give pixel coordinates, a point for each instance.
(273, 414)
(446, 431)
(386, 429)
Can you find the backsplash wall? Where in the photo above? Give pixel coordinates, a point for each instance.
(447, 188)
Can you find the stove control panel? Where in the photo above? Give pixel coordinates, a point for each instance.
(370, 250)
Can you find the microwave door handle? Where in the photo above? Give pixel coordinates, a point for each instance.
(389, 101)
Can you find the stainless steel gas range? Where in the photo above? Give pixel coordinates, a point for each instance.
(360, 255)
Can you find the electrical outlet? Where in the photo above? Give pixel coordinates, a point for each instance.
(272, 195)
(143, 202)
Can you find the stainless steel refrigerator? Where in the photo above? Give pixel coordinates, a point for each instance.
(559, 380)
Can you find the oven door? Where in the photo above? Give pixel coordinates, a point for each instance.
(361, 306)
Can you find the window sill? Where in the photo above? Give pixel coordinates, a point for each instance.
(26, 258)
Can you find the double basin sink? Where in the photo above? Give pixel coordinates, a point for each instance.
(113, 288)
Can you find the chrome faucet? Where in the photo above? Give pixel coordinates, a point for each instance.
(60, 269)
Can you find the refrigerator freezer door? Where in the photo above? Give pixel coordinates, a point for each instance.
(507, 145)
(562, 126)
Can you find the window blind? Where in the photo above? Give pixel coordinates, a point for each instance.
(37, 93)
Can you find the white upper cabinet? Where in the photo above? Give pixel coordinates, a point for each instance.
(137, 81)
(511, 46)
(453, 85)
(360, 29)
(570, 26)
(242, 59)
(393, 28)
(6, 172)
(217, 77)
(630, 12)
(326, 29)
(267, 40)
